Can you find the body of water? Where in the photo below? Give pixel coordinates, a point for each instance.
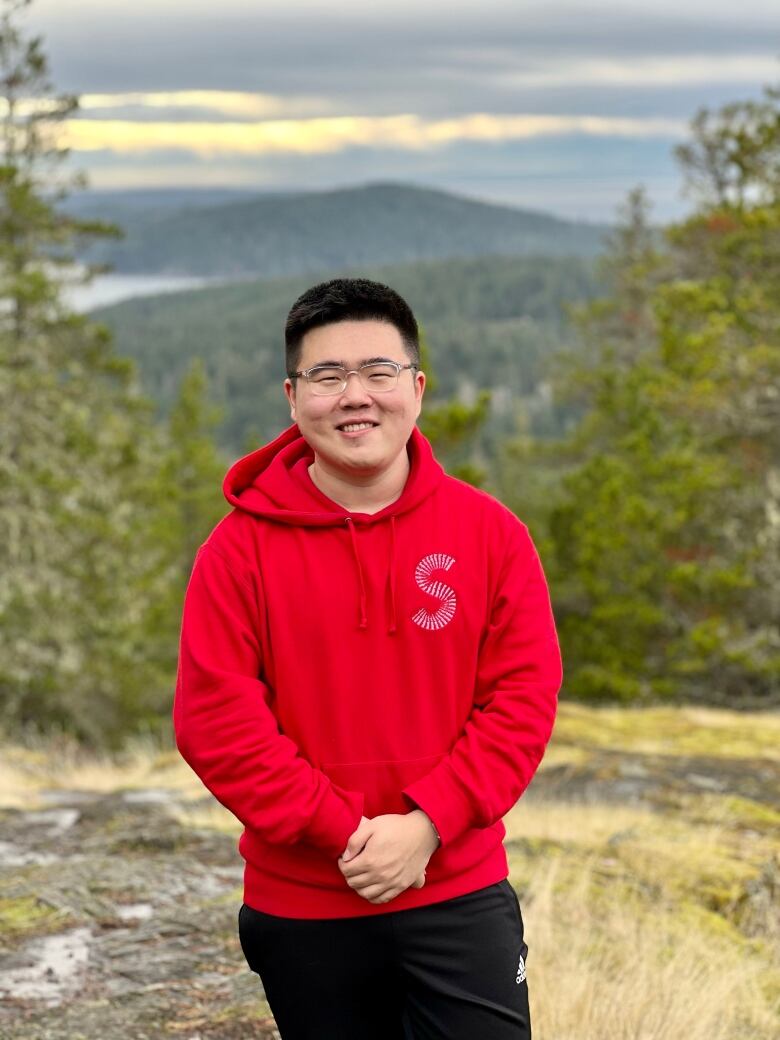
(111, 288)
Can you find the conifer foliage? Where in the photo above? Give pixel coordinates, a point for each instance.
(664, 522)
(87, 555)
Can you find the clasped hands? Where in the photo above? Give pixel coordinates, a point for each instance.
(388, 854)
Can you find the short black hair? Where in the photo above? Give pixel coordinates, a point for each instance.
(348, 299)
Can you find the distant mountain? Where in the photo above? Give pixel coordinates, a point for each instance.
(110, 203)
(217, 232)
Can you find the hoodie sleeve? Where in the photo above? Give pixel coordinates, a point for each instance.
(519, 674)
(226, 731)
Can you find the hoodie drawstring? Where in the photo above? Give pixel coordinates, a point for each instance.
(363, 618)
(390, 577)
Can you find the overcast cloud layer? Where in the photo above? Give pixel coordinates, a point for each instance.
(563, 108)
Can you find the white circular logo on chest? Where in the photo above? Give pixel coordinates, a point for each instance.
(448, 601)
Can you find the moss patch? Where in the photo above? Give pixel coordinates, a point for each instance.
(26, 915)
(684, 731)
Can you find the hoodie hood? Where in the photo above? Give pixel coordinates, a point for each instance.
(273, 482)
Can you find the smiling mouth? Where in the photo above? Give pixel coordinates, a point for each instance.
(353, 427)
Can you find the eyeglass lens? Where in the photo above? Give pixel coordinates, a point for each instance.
(378, 377)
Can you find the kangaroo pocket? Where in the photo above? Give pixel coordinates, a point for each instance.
(381, 782)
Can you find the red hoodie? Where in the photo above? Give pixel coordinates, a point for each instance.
(336, 664)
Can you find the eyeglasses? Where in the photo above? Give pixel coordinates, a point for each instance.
(377, 377)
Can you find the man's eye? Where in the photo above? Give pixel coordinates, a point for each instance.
(326, 376)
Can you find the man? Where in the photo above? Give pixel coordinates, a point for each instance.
(368, 678)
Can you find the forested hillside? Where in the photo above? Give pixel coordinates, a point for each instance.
(489, 323)
(276, 234)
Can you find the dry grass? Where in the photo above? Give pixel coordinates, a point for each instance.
(26, 771)
(605, 969)
(641, 925)
(644, 924)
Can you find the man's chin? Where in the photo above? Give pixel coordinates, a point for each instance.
(362, 463)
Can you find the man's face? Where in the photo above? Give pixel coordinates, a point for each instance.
(392, 414)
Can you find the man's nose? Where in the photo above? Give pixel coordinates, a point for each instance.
(354, 391)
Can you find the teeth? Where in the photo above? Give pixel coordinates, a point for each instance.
(351, 427)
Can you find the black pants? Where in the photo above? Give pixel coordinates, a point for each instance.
(454, 970)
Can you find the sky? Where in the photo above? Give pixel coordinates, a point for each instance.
(561, 107)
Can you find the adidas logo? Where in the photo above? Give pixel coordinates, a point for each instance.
(520, 971)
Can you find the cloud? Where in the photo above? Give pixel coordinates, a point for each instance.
(238, 104)
(652, 71)
(489, 69)
(312, 136)
(355, 51)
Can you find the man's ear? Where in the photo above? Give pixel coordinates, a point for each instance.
(289, 390)
(419, 389)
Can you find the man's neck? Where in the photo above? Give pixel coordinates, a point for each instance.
(358, 494)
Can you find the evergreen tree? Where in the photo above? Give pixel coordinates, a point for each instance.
(451, 425)
(719, 329)
(607, 517)
(664, 524)
(732, 159)
(76, 450)
(186, 503)
(194, 467)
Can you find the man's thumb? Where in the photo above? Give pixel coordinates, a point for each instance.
(357, 840)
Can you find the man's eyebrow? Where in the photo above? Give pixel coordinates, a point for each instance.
(343, 364)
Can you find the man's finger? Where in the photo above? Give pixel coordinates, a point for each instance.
(381, 895)
(357, 840)
(359, 880)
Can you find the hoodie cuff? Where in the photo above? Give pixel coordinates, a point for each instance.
(336, 819)
(439, 795)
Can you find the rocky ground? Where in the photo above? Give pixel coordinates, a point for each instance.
(118, 918)
(117, 921)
